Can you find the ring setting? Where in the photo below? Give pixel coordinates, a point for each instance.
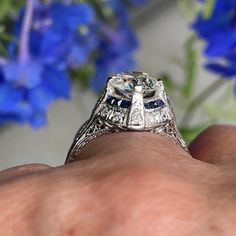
(131, 101)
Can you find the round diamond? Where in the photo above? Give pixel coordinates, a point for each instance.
(119, 79)
(104, 112)
(117, 117)
(151, 82)
(128, 85)
(127, 81)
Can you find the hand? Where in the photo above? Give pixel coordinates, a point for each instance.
(132, 184)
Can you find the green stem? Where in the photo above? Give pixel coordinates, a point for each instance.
(199, 100)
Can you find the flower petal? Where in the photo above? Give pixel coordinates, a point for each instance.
(57, 82)
(27, 74)
(71, 16)
(227, 71)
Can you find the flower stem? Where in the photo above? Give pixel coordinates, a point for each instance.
(199, 100)
(25, 32)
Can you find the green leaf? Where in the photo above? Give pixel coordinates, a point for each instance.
(5, 36)
(190, 133)
(188, 8)
(231, 114)
(168, 82)
(3, 50)
(178, 61)
(209, 7)
(83, 74)
(5, 7)
(223, 108)
(190, 66)
(212, 109)
(8, 7)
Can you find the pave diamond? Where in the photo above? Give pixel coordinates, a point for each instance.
(117, 117)
(104, 112)
(136, 118)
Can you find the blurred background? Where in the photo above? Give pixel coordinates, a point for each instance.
(171, 43)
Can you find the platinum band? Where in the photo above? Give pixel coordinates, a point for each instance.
(133, 101)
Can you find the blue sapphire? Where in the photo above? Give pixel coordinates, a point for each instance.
(148, 105)
(125, 104)
(154, 104)
(118, 102)
(160, 103)
(111, 100)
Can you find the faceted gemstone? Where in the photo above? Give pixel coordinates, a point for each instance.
(111, 100)
(150, 81)
(125, 104)
(127, 81)
(159, 103)
(117, 117)
(154, 104)
(118, 102)
(104, 112)
(119, 79)
(128, 85)
(136, 118)
(147, 105)
(164, 116)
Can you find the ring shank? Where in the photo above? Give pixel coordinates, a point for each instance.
(98, 127)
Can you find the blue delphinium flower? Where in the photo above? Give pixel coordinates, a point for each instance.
(116, 44)
(219, 31)
(35, 74)
(116, 53)
(50, 39)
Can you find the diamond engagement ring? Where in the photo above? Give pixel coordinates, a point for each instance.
(132, 101)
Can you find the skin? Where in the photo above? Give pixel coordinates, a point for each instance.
(129, 184)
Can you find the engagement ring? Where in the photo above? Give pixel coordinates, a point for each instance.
(132, 101)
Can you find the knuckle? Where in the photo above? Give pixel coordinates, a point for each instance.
(143, 200)
(218, 129)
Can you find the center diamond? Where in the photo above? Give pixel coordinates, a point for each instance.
(125, 82)
(139, 95)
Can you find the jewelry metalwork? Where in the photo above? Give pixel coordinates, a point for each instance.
(133, 101)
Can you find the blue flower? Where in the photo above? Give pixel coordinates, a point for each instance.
(55, 36)
(115, 55)
(119, 7)
(116, 44)
(219, 32)
(52, 38)
(21, 104)
(70, 16)
(138, 2)
(55, 33)
(36, 73)
(25, 74)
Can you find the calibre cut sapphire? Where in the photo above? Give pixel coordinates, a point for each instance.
(154, 104)
(118, 102)
(110, 100)
(160, 103)
(125, 104)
